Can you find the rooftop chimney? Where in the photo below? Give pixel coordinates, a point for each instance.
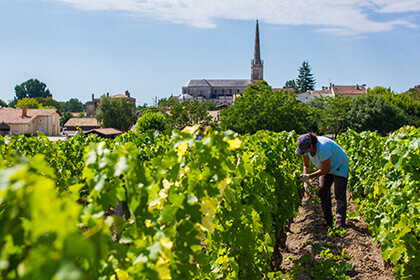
(127, 93)
(107, 94)
(93, 96)
(24, 112)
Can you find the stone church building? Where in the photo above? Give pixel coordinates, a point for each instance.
(222, 92)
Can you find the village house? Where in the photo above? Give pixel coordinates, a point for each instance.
(352, 91)
(311, 94)
(84, 124)
(108, 133)
(92, 106)
(17, 121)
(331, 91)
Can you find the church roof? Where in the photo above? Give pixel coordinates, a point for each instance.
(217, 83)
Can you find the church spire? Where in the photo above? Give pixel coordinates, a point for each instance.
(257, 54)
(257, 66)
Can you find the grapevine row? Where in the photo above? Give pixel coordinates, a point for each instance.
(385, 177)
(200, 205)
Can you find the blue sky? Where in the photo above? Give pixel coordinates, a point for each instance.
(153, 47)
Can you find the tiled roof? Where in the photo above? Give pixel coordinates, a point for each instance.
(217, 83)
(356, 89)
(105, 131)
(4, 125)
(80, 122)
(14, 116)
(120, 96)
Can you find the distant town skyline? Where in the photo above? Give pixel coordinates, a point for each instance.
(152, 48)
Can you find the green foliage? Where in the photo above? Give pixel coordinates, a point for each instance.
(3, 104)
(65, 117)
(199, 205)
(409, 102)
(30, 103)
(167, 102)
(377, 111)
(385, 175)
(305, 80)
(259, 108)
(32, 88)
(334, 118)
(209, 105)
(291, 84)
(151, 121)
(177, 191)
(336, 232)
(327, 266)
(117, 113)
(373, 113)
(48, 102)
(144, 106)
(188, 113)
(38, 103)
(72, 105)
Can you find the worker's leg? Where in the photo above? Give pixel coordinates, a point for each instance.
(324, 193)
(340, 185)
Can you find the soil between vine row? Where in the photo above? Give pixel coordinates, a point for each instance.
(305, 231)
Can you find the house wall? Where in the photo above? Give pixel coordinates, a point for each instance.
(18, 129)
(49, 125)
(212, 92)
(91, 107)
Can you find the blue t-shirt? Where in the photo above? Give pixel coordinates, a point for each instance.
(328, 149)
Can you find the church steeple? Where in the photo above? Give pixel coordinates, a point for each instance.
(257, 65)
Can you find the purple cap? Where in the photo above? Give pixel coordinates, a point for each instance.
(304, 142)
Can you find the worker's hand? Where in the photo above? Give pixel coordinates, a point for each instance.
(304, 177)
(307, 187)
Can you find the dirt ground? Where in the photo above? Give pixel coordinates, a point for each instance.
(307, 235)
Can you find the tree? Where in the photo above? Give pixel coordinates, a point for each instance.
(260, 108)
(151, 121)
(374, 113)
(48, 102)
(2, 104)
(305, 80)
(117, 113)
(72, 105)
(32, 89)
(409, 102)
(30, 103)
(167, 102)
(140, 107)
(188, 113)
(65, 117)
(291, 84)
(334, 117)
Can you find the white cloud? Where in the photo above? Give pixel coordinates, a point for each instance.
(346, 17)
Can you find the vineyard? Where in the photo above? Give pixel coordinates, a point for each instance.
(196, 205)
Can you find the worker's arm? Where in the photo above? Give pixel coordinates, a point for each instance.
(326, 165)
(306, 164)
